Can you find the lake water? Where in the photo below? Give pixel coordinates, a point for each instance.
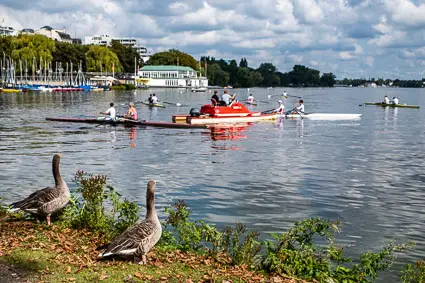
(369, 172)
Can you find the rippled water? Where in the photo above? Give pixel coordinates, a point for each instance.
(369, 173)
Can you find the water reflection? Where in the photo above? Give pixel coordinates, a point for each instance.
(226, 132)
(133, 136)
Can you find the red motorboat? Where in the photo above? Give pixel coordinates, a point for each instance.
(210, 114)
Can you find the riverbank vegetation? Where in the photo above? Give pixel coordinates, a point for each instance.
(189, 249)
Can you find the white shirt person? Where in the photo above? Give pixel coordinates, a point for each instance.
(111, 111)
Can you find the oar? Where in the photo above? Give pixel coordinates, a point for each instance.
(172, 103)
(267, 111)
(293, 109)
(267, 102)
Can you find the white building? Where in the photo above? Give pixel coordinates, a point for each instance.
(106, 40)
(4, 30)
(170, 76)
(55, 34)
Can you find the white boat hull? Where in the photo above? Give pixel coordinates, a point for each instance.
(324, 116)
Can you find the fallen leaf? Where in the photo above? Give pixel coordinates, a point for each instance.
(103, 277)
(68, 270)
(163, 278)
(138, 275)
(72, 279)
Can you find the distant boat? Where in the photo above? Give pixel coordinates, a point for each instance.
(199, 89)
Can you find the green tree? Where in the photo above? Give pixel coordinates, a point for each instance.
(28, 47)
(126, 55)
(243, 63)
(70, 53)
(268, 72)
(101, 58)
(328, 79)
(171, 57)
(246, 77)
(216, 76)
(6, 46)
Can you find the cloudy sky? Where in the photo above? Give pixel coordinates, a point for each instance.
(351, 38)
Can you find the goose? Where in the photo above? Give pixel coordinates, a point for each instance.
(48, 200)
(140, 238)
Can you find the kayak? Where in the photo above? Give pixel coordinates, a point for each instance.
(123, 121)
(251, 103)
(392, 105)
(153, 104)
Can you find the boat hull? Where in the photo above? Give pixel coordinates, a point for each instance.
(392, 105)
(324, 116)
(123, 121)
(228, 120)
(153, 105)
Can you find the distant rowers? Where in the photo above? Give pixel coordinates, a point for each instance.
(395, 100)
(132, 112)
(250, 99)
(386, 100)
(280, 109)
(111, 112)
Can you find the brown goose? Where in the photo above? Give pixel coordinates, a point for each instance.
(48, 200)
(140, 238)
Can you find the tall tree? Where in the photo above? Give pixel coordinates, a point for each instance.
(28, 47)
(70, 53)
(328, 79)
(216, 76)
(101, 58)
(126, 55)
(243, 63)
(172, 57)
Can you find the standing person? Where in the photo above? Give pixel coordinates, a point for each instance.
(280, 109)
(215, 99)
(226, 98)
(111, 112)
(386, 100)
(154, 99)
(395, 100)
(250, 99)
(132, 112)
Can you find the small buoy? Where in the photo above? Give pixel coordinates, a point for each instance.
(269, 96)
(178, 104)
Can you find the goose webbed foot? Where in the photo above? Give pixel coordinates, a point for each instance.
(143, 260)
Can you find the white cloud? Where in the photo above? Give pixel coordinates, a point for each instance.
(405, 12)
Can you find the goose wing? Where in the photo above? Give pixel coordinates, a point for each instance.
(38, 199)
(129, 241)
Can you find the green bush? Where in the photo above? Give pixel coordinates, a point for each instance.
(123, 87)
(87, 207)
(414, 273)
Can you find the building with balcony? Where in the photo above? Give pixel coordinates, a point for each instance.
(170, 76)
(7, 31)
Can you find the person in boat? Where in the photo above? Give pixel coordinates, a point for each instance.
(132, 112)
(150, 98)
(250, 99)
(232, 99)
(154, 99)
(386, 100)
(225, 99)
(215, 99)
(280, 109)
(297, 109)
(111, 111)
(395, 100)
(285, 95)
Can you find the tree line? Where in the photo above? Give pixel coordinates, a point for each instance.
(382, 82)
(38, 50)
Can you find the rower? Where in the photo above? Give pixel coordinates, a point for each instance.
(132, 112)
(395, 100)
(285, 95)
(386, 100)
(280, 109)
(300, 107)
(154, 99)
(250, 99)
(111, 112)
(150, 98)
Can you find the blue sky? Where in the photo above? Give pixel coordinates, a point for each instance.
(351, 38)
